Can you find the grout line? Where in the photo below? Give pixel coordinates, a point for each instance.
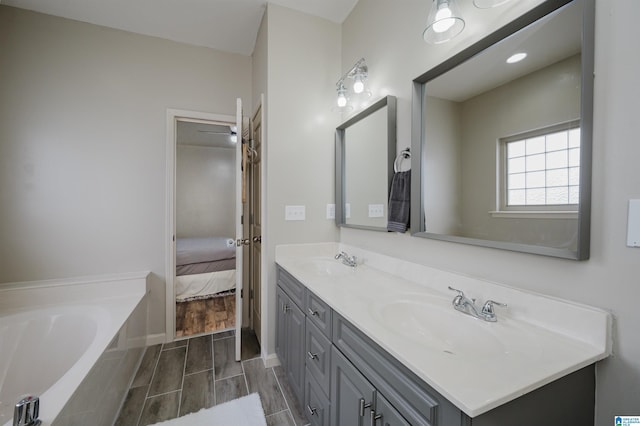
(165, 393)
(229, 377)
(282, 393)
(184, 369)
(153, 375)
(244, 374)
(213, 367)
(198, 372)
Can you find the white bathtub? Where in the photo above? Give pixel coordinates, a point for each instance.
(67, 342)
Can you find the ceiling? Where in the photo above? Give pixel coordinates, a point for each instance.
(228, 25)
(549, 40)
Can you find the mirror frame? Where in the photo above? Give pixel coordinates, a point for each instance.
(390, 103)
(418, 227)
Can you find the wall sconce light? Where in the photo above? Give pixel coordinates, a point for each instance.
(358, 73)
(443, 23)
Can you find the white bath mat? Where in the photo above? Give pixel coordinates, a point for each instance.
(245, 411)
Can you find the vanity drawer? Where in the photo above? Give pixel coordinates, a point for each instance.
(412, 398)
(318, 356)
(294, 289)
(319, 313)
(316, 405)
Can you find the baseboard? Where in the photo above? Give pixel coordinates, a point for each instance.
(270, 360)
(155, 339)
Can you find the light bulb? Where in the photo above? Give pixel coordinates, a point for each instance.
(342, 100)
(234, 138)
(358, 85)
(517, 57)
(443, 19)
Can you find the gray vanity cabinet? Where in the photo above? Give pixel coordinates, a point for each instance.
(290, 334)
(355, 401)
(342, 377)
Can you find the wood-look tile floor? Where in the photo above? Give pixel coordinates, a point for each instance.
(205, 316)
(185, 376)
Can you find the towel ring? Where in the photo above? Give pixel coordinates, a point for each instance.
(404, 154)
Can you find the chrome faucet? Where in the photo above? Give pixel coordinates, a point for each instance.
(346, 259)
(26, 412)
(468, 306)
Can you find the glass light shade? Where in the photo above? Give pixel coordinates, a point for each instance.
(358, 85)
(488, 4)
(443, 23)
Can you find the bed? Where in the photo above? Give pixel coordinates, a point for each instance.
(205, 267)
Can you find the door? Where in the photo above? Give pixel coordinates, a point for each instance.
(240, 240)
(255, 215)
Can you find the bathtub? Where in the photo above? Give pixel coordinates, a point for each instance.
(74, 343)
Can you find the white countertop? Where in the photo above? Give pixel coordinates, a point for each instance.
(477, 365)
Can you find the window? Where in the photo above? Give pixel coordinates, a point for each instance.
(542, 169)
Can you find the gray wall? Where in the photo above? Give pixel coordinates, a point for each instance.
(302, 69)
(83, 144)
(205, 192)
(385, 34)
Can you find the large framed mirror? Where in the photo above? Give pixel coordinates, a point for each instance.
(502, 148)
(365, 151)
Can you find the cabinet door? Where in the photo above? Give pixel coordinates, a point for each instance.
(295, 354)
(386, 415)
(351, 393)
(281, 327)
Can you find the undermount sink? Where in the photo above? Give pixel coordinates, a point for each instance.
(441, 328)
(325, 267)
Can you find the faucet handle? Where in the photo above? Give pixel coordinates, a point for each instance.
(487, 308)
(460, 292)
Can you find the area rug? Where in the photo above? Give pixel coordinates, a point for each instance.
(245, 411)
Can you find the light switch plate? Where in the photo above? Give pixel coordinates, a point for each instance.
(331, 211)
(294, 213)
(376, 210)
(633, 224)
(347, 210)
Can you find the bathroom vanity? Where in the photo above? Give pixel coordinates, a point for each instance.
(363, 346)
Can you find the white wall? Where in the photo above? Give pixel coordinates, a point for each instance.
(205, 192)
(388, 35)
(303, 67)
(82, 144)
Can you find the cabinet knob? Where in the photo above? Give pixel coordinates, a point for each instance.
(312, 411)
(312, 312)
(285, 308)
(312, 355)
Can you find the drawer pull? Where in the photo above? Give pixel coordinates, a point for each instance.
(375, 417)
(312, 355)
(312, 312)
(312, 411)
(363, 405)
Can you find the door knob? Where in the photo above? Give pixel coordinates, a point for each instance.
(257, 239)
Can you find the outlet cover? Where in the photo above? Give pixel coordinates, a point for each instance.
(331, 211)
(294, 213)
(376, 210)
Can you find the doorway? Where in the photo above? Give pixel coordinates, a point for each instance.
(205, 227)
(247, 236)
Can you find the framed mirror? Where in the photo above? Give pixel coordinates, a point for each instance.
(502, 148)
(365, 151)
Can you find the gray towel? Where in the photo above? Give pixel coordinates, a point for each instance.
(399, 202)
